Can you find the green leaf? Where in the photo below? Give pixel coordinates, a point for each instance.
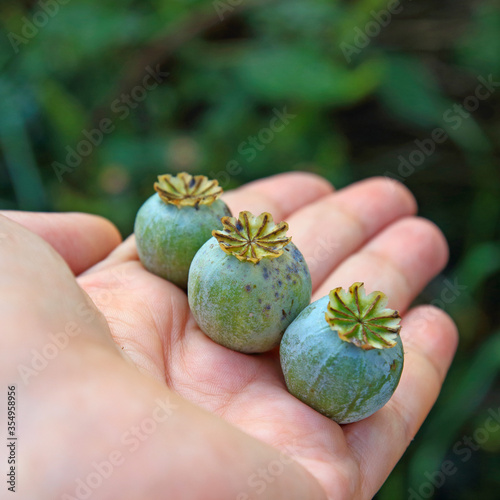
(410, 92)
(65, 113)
(18, 154)
(480, 48)
(306, 75)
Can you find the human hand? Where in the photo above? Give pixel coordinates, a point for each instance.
(362, 233)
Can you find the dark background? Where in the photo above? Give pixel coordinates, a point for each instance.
(80, 129)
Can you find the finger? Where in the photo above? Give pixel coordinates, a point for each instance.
(81, 239)
(125, 252)
(430, 339)
(279, 195)
(399, 261)
(332, 228)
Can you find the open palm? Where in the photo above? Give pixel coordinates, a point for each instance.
(366, 232)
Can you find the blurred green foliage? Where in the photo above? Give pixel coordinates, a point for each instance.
(359, 83)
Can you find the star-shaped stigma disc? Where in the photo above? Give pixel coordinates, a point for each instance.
(186, 190)
(363, 319)
(251, 238)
